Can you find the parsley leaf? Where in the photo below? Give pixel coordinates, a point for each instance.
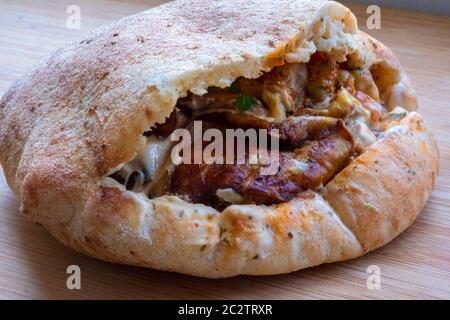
(246, 103)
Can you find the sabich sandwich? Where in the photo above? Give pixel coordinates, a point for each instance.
(85, 139)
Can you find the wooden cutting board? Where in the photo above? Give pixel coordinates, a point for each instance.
(415, 265)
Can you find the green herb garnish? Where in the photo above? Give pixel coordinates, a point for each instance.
(246, 103)
(371, 207)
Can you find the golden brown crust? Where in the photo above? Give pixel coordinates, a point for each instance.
(70, 122)
(381, 193)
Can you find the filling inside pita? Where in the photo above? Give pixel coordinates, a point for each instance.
(323, 112)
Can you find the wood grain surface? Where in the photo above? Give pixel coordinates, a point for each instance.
(415, 265)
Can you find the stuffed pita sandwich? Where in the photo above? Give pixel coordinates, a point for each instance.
(85, 139)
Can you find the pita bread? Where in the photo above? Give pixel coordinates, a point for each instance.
(81, 114)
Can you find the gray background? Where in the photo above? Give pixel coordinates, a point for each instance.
(430, 6)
